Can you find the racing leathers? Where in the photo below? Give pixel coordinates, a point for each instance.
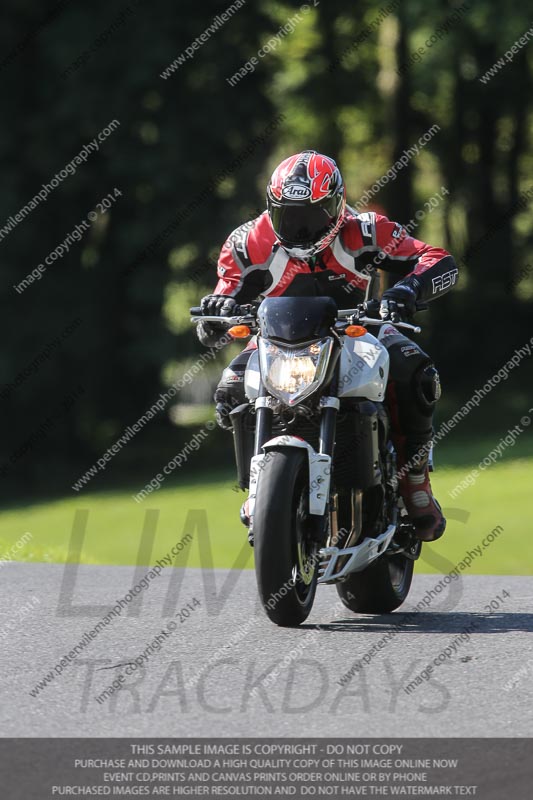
(253, 265)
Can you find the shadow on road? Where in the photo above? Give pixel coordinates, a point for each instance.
(456, 622)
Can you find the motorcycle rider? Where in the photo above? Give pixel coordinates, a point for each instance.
(309, 242)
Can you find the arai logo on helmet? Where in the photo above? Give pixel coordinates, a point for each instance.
(296, 191)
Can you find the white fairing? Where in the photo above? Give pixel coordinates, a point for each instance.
(251, 377)
(364, 368)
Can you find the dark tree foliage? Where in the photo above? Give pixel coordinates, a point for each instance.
(190, 155)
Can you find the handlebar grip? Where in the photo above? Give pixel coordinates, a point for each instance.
(195, 311)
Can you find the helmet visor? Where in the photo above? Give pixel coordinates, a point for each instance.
(301, 225)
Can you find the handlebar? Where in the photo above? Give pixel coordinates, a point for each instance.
(357, 316)
(246, 315)
(354, 316)
(372, 321)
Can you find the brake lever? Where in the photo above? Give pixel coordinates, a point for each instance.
(407, 325)
(251, 321)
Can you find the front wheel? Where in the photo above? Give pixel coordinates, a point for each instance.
(380, 588)
(286, 556)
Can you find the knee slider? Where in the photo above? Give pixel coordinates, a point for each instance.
(428, 387)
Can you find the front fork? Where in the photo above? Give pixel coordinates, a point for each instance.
(328, 426)
(263, 420)
(328, 423)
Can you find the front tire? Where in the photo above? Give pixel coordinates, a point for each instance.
(286, 557)
(380, 588)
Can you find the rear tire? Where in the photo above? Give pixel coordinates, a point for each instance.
(380, 588)
(286, 559)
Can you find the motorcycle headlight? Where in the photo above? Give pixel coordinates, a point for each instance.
(292, 374)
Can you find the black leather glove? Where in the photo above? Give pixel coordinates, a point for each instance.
(398, 303)
(218, 305)
(214, 305)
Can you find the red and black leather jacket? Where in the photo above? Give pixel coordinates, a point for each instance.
(253, 265)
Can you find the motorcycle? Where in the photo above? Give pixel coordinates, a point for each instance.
(313, 447)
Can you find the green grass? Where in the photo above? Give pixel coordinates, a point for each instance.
(501, 496)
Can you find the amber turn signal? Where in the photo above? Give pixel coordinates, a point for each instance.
(353, 331)
(240, 331)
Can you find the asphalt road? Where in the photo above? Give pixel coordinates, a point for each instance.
(201, 682)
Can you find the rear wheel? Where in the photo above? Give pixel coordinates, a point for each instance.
(380, 588)
(286, 556)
